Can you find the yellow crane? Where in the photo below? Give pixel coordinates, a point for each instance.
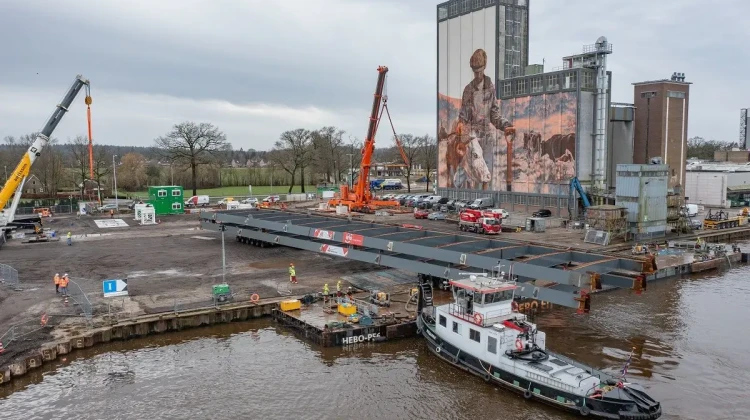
(14, 184)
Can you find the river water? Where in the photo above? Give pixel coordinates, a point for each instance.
(690, 336)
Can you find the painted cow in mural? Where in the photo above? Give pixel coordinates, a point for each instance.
(560, 147)
(465, 162)
(532, 143)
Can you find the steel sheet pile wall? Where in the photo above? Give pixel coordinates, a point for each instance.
(642, 190)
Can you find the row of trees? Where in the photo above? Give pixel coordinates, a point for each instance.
(330, 157)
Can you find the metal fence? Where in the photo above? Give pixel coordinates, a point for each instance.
(9, 276)
(66, 209)
(19, 331)
(79, 298)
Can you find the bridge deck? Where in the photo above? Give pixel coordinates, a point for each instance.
(546, 273)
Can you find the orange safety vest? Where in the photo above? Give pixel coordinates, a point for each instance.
(57, 280)
(64, 282)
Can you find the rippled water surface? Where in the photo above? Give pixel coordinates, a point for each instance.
(691, 338)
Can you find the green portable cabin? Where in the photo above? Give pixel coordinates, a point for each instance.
(166, 199)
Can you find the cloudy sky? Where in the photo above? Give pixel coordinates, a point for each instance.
(258, 67)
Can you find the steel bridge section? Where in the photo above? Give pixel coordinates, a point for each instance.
(529, 262)
(441, 269)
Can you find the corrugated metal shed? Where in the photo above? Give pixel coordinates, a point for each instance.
(642, 190)
(706, 188)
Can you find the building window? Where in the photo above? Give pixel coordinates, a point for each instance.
(161, 193)
(537, 85)
(465, 6)
(674, 94)
(176, 206)
(507, 88)
(648, 94)
(176, 193)
(521, 87)
(588, 80)
(553, 82)
(456, 328)
(571, 80)
(492, 345)
(442, 320)
(474, 335)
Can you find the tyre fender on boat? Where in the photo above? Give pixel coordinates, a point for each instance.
(584, 410)
(527, 394)
(486, 377)
(437, 349)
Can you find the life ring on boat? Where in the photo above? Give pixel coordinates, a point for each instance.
(437, 349)
(527, 394)
(478, 318)
(519, 344)
(584, 410)
(254, 298)
(514, 306)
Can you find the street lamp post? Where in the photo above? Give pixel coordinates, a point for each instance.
(351, 170)
(114, 176)
(223, 257)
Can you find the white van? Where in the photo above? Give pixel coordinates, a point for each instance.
(482, 203)
(197, 200)
(691, 210)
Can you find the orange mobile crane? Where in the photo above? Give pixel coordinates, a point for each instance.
(361, 199)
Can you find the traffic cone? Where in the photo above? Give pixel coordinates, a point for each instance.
(1, 347)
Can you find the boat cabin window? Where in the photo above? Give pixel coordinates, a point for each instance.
(492, 345)
(442, 320)
(474, 335)
(456, 328)
(498, 296)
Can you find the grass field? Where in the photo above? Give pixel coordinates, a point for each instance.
(240, 191)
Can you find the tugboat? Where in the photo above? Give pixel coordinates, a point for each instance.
(483, 333)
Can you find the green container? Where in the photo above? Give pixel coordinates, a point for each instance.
(166, 199)
(220, 289)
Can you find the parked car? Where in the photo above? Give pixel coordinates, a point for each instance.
(501, 212)
(482, 203)
(421, 214)
(107, 207)
(271, 199)
(225, 200)
(444, 200)
(250, 200)
(542, 213)
(437, 215)
(696, 224)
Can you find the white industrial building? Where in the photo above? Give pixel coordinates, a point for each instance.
(714, 184)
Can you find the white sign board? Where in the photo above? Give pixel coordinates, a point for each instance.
(82, 208)
(116, 287)
(110, 223)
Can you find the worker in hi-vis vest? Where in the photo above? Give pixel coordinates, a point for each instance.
(292, 274)
(57, 282)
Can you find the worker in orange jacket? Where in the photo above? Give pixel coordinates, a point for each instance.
(64, 284)
(57, 283)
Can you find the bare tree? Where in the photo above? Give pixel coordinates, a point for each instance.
(79, 153)
(327, 144)
(132, 174)
(429, 156)
(102, 165)
(293, 152)
(193, 144)
(411, 146)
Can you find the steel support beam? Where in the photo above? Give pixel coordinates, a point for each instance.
(558, 297)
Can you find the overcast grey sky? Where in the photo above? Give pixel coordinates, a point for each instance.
(258, 67)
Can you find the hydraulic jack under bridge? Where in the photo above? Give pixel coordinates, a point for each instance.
(556, 275)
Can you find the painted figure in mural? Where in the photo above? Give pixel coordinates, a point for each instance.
(476, 131)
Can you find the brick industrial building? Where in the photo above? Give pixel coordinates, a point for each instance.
(661, 122)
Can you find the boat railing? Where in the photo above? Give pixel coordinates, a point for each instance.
(461, 312)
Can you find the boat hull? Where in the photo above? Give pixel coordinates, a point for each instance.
(530, 390)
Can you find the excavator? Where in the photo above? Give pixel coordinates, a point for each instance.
(14, 185)
(361, 199)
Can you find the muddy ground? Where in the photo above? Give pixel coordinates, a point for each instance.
(173, 264)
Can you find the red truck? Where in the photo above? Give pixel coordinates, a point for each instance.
(480, 222)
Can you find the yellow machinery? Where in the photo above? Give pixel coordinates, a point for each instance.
(14, 185)
(721, 220)
(290, 305)
(347, 309)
